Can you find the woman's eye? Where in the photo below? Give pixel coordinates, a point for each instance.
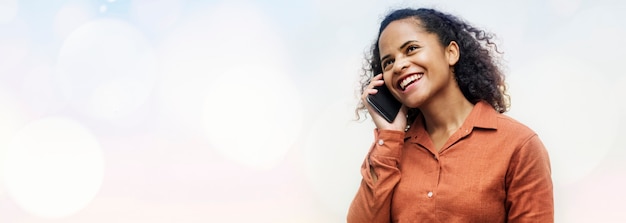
(386, 63)
(412, 48)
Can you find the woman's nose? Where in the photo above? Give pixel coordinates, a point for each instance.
(401, 64)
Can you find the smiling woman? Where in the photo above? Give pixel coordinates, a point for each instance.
(240, 111)
(450, 155)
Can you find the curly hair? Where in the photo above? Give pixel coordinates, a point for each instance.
(477, 72)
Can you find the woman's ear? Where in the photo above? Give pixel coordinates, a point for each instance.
(452, 53)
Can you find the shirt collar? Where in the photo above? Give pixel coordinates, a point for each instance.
(482, 116)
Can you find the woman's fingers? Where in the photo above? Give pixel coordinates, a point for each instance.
(374, 82)
(400, 121)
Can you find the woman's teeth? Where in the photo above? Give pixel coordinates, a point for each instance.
(410, 80)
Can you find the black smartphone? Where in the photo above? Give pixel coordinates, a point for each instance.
(385, 104)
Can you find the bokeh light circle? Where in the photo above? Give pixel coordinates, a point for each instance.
(12, 119)
(252, 120)
(187, 68)
(207, 45)
(69, 18)
(107, 68)
(252, 111)
(54, 167)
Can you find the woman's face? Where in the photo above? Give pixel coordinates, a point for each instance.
(416, 67)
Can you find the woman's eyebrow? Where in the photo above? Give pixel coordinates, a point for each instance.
(399, 48)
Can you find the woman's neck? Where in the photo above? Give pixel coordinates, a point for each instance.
(446, 116)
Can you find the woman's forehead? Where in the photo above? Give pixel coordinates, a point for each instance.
(400, 31)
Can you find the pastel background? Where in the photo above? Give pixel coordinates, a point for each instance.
(242, 111)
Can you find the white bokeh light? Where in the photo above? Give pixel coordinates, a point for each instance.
(188, 62)
(54, 167)
(8, 10)
(253, 120)
(70, 17)
(107, 68)
(252, 112)
(12, 119)
(204, 47)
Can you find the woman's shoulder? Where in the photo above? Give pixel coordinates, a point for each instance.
(511, 125)
(485, 115)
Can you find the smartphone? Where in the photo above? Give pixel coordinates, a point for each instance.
(385, 104)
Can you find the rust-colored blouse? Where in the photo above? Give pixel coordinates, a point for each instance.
(492, 169)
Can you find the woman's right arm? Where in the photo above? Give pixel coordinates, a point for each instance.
(372, 203)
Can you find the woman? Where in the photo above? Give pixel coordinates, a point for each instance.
(460, 159)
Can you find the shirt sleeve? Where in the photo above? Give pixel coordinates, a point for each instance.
(372, 203)
(529, 184)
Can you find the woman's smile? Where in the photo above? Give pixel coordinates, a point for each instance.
(409, 80)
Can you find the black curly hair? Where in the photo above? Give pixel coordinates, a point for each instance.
(477, 71)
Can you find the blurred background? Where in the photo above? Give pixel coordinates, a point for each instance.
(243, 111)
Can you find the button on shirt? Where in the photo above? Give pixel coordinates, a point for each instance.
(493, 169)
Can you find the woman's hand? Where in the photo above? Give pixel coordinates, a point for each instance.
(399, 123)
